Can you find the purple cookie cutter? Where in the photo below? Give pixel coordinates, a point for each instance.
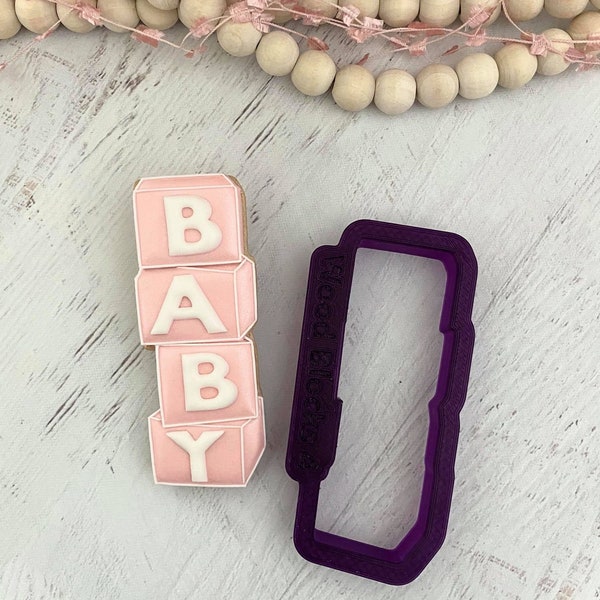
(316, 409)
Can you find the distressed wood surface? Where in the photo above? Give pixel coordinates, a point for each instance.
(81, 118)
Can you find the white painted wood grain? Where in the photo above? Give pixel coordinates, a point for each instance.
(517, 174)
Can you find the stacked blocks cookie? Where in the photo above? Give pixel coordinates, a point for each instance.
(196, 299)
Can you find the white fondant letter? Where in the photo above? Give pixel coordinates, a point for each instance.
(197, 450)
(186, 286)
(194, 382)
(199, 221)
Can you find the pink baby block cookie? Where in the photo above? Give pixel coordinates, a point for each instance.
(196, 301)
(207, 383)
(191, 220)
(216, 455)
(184, 305)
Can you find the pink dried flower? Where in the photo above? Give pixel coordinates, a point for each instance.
(418, 48)
(348, 14)
(147, 35)
(261, 22)
(477, 39)
(479, 15)
(201, 28)
(316, 44)
(88, 13)
(239, 12)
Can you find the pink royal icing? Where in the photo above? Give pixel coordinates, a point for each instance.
(191, 220)
(207, 383)
(183, 305)
(196, 300)
(216, 455)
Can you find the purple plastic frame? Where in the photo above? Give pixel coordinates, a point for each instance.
(316, 408)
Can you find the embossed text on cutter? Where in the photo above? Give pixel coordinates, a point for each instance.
(316, 409)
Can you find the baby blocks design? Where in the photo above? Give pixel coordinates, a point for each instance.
(190, 220)
(196, 300)
(188, 305)
(216, 455)
(207, 383)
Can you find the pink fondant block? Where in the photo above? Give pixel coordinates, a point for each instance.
(207, 383)
(223, 300)
(228, 454)
(217, 199)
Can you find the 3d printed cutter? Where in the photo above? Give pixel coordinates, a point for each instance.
(316, 409)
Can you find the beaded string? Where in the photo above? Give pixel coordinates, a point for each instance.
(258, 26)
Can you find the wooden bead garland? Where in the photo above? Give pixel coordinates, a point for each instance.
(516, 66)
(398, 13)
(119, 11)
(73, 21)
(466, 6)
(238, 39)
(165, 4)
(437, 86)
(477, 76)
(323, 7)
(36, 15)
(277, 53)
(585, 26)
(524, 10)
(353, 88)
(565, 9)
(553, 64)
(9, 24)
(156, 18)
(313, 72)
(439, 13)
(395, 91)
(367, 8)
(190, 11)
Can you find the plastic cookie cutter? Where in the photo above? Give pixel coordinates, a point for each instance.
(316, 408)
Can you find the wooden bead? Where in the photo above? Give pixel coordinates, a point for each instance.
(584, 27)
(477, 76)
(71, 20)
(155, 18)
(553, 64)
(119, 11)
(323, 7)
(565, 9)
(466, 6)
(164, 4)
(524, 10)
(192, 10)
(238, 39)
(437, 86)
(398, 13)
(280, 17)
(9, 24)
(277, 53)
(395, 91)
(353, 88)
(516, 65)
(36, 15)
(313, 73)
(368, 8)
(439, 13)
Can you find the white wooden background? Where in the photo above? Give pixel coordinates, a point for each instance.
(81, 118)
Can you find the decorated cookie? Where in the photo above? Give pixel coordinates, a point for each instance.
(214, 454)
(207, 383)
(196, 220)
(196, 300)
(183, 304)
